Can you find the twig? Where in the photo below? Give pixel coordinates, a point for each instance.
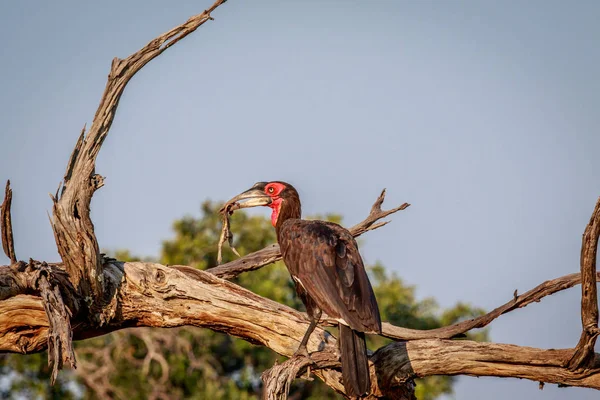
(271, 254)
(8, 243)
(375, 215)
(583, 356)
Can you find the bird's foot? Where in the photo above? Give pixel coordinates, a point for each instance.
(303, 352)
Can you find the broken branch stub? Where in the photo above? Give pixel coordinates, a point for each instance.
(6, 231)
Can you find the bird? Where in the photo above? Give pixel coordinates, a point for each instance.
(329, 276)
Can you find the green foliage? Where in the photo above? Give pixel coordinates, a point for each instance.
(190, 363)
(28, 377)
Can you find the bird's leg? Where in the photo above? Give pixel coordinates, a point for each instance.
(302, 351)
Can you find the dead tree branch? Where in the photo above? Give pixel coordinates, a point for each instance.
(584, 352)
(419, 358)
(159, 296)
(447, 332)
(73, 228)
(8, 243)
(88, 287)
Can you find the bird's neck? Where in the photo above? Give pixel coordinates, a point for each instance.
(284, 210)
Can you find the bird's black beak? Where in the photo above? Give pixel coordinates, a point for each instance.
(250, 198)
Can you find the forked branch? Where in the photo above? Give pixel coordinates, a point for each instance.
(73, 228)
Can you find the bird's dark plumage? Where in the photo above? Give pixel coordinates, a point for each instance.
(324, 262)
(323, 257)
(328, 271)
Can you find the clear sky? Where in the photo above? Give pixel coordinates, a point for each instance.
(483, 115)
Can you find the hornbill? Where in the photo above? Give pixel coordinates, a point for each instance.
(328, 273)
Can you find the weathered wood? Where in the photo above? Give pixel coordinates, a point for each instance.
(420, 358)
(278, 379)
(71, 222)
(60, 340)
(584, 352)
(159, 296)
(6, 230)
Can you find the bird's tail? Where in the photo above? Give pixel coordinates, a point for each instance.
(355, 364)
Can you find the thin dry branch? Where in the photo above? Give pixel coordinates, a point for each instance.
(447, 332)
(368, 224)
(584, 352)
(8, 243)
(271, 254)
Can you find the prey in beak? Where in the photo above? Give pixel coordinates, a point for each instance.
(253, 197)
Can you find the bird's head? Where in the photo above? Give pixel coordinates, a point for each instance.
(281, 197)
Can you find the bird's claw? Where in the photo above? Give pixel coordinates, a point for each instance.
(302, 352)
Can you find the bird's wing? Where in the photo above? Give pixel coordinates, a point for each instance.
(323, 257)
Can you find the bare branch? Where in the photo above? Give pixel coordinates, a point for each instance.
(584, 352)
(419, 358)
(534, 295)
(271, 254)
(73, 228)
(375, 215)
(8, 243)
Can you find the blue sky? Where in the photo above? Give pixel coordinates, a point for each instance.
(483, 115)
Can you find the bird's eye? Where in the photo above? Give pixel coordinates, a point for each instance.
(270, 189)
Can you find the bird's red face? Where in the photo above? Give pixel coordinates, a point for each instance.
(273, 190)
(271, 194)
